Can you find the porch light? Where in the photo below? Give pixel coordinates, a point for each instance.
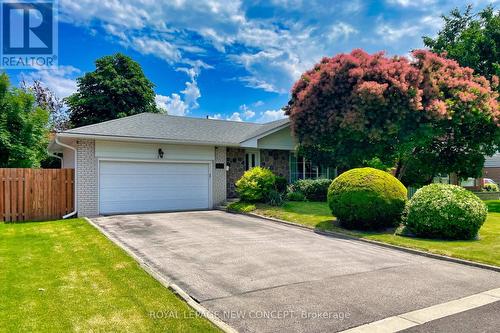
(160, 153)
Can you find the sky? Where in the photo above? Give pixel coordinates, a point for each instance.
(231, 59)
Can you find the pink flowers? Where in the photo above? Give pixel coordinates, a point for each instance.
(438, 107)
(361, 91)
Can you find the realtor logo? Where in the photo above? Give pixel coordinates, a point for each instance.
(29, 34)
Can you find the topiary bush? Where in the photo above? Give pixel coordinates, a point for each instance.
(255, 184)
(367, 198)
(313, 189)
(445, 211)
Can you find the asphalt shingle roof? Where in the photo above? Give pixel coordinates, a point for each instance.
(177, 128)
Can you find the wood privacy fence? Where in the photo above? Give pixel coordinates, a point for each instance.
(35, 194)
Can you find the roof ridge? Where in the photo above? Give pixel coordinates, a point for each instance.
(106, 122)
(211, 119)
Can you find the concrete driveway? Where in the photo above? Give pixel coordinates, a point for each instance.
(261, 276)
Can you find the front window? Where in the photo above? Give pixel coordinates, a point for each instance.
(250, 160)
(301, 168)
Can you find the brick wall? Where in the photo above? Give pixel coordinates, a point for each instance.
(87, 177)
(219, 177)
(277, 161)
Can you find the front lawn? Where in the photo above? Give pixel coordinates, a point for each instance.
(63, 276)
(317, 215)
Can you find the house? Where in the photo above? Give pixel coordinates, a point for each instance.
(155, 162)
(492, 168)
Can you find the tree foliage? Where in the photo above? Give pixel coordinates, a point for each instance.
(117, 88)
(23, 128)
(427, 116)
(48, 100)
(471, 39)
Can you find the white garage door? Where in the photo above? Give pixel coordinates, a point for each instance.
(133, 187)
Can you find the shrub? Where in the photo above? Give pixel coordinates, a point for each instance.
(280, 184)
(275, 198)
(295, 196)
(255, 184)
(240, 207)
(490, 187)
(445, 211)
(367, 198)
(313, 189)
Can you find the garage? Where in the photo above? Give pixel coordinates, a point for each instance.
(135, 187)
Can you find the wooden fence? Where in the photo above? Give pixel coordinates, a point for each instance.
(35, 194)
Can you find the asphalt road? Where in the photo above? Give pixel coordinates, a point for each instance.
(260, 276)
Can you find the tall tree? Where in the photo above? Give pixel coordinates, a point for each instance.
(116, 88)
(427, 116)
(23, 128)
(49, 101)
(471, 39)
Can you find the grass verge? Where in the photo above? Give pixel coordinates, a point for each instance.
(62, 276)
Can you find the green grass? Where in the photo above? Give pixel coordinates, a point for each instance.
(63, 276)
(240, 207)
(311, 214)
(317, 215)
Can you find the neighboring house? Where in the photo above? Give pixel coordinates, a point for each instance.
(492, 168)
(154, 162)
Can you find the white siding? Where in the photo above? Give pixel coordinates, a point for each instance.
(281, 139)
(149, 151)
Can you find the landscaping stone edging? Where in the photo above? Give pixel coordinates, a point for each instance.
(391, 246)
(166, 283)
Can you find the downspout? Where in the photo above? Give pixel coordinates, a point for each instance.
(76, 178)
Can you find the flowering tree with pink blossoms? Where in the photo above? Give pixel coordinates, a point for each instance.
(425, 116)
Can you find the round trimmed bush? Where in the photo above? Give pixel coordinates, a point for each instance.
(367, 198)
(445, 211)
(255, 184)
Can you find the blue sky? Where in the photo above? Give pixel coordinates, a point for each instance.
(231, 59)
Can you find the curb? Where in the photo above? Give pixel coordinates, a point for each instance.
(369, 241)
(166, 282)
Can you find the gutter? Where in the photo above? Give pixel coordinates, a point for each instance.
(146, 140)
(76, 178)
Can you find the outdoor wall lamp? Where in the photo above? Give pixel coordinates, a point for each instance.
(160, 153)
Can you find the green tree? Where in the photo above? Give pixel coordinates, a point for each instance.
(116, 88)
(23, 128)
(471, 39)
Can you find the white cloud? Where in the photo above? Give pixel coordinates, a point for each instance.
(258, 103)
(341, 30)
(271, 115)
(247, 112)
(60, 80)
(173, 104)
(235, 117)
(215, 116)
(181, 106)
(411, 3)
(389, 33)
(272, 70)
(160, 48)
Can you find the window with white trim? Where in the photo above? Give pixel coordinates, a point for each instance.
(301, 168)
